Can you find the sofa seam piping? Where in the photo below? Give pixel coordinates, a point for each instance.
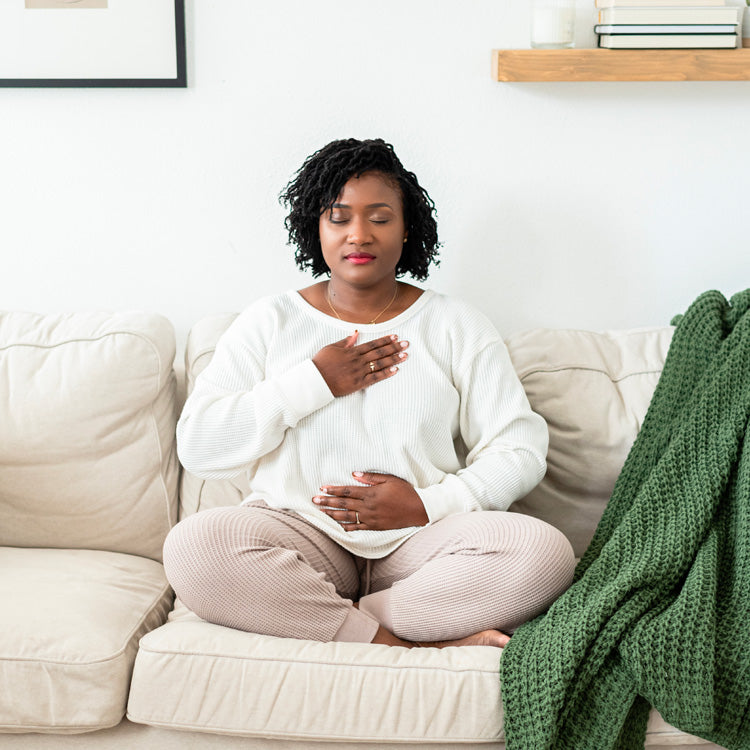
(162, 457)
(337, 665)
(564, 368)
(280, 734)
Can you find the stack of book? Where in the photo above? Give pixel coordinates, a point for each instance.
(668, 24)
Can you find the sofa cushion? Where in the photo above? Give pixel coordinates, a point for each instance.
(198, 494)
(69, 630)
(87, 418)
(190, 674)
(593, 389)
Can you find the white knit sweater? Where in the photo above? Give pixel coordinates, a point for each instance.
(454, 421)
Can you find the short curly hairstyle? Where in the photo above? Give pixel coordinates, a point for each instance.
(320, 181)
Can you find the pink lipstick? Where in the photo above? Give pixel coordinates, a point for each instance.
(360, 258)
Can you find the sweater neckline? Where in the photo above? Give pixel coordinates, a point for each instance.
(413, 309)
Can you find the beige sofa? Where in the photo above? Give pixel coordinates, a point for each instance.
(92, 654)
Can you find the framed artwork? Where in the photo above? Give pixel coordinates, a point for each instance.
(81, 43)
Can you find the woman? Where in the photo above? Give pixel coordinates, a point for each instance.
(384, 433)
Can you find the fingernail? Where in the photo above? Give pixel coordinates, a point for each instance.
(404, 344)
(358, 473)
(394, 338)
(403, 355)
(393, 369)
(318, 500)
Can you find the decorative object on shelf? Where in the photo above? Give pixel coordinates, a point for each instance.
(657, 3)
(671, 15)
(553, 24)
(59, 43)
(668, 27)
(668, 41)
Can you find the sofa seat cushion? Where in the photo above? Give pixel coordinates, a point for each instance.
(190, 674)
(70, 621)
(194, 676)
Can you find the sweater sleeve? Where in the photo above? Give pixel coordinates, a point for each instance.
(506, 441)
(237, 413)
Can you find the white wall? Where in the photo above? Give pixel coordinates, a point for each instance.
(579, 204)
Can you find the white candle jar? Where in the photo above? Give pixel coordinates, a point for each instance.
(553, 24)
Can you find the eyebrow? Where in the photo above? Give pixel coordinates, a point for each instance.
(371, 205)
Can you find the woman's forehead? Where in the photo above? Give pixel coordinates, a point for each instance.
(370, 187)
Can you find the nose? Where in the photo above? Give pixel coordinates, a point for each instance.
(359, 231)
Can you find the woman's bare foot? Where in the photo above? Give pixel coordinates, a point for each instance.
(482, 638)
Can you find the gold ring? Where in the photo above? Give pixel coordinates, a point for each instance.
(356, 515)
(372, 367)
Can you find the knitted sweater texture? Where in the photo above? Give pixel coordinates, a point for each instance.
(659, 612)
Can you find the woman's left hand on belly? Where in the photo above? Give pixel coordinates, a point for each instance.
(379, 502)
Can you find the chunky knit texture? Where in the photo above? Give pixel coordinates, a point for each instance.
(659, 613)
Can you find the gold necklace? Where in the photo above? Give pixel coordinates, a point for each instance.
(335, 311)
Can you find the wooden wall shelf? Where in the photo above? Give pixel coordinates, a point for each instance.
(621, 65)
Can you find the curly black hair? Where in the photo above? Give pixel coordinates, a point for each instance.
(320, 181)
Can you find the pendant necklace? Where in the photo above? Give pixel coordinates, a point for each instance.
(335, 311)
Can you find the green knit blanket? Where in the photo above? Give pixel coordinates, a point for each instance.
(659, 611)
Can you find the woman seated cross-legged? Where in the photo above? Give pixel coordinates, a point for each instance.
(384, 433)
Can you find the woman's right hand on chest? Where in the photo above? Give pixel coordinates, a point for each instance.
(348, 367)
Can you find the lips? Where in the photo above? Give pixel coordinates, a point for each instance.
(359, 258)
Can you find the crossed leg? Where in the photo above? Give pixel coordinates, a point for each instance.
(457, 582)
(469, 576)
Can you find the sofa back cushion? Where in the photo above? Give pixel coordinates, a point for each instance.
(198, 494)
(87, 419)
(593, 390)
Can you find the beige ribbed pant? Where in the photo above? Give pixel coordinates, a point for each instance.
(269, 571)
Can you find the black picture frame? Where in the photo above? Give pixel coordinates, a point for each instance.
(179, 80)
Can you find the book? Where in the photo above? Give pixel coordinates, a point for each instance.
(685, 28)
(667, 41)
(656, 3)
(676, 15)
